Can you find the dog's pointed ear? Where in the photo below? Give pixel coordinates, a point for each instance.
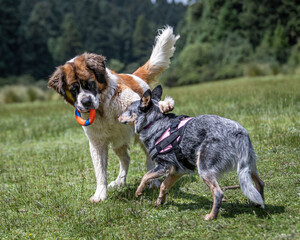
(157, 92)
(58, 82)
(96, 63)
(145, 100)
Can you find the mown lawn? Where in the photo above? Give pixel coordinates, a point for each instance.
(47, 177)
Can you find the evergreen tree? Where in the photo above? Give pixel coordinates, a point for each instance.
(37, 35)
(37, 59)
(9, 38)
(68, 44)
(242, 33)
(142, 39)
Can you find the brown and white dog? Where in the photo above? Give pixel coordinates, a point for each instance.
(86, 83)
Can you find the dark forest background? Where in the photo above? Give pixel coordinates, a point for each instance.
(219, 39)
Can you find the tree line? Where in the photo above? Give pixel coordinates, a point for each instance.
(37, 35)
(219, 39)
(226, 39)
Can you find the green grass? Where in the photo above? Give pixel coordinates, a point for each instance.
(47, 177)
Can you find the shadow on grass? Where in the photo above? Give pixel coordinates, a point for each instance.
(196, 201)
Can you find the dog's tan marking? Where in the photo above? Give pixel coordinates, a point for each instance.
(70, 98)
(259, 184)
(198, 161)
(215, 189)
(147, 177)
(82, 72)
(131, 83)
(165, 186)
(129, 119)
(69, 72)
(146, 74)
(146, 100)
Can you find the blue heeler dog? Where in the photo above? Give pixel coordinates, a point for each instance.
(210, 143)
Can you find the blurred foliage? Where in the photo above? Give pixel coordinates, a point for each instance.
(225, 39)
(38, 35)
(219, 39)
(21, 93)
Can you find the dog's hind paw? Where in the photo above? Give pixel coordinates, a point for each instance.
(159, 201)
(209, 217)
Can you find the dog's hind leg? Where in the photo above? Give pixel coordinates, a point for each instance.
(164, 188)
(157, 172)
(217, 193)
(124, 160)
(208, 174)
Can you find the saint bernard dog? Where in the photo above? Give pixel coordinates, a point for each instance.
(86, 83)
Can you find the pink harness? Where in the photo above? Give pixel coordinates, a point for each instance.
(167, 134)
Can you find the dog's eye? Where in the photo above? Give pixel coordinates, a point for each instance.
(84, 84)
(74, 88)
(91, 84)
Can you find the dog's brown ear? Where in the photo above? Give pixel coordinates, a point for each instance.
(58, 83)
(146, 100)
(96, 63)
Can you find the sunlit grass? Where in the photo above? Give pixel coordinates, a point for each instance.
(47, 177)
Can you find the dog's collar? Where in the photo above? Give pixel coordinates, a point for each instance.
(148, 126)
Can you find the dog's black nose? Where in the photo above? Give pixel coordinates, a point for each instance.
(87, 101)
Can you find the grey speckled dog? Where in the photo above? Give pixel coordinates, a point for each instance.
(211, 144)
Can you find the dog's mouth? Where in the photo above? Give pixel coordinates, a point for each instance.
(122, 120)
(83, 110)
(86, 107)
(126, 120)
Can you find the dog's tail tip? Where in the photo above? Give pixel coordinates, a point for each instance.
(248, 188)
(164, 48)
(162, 51)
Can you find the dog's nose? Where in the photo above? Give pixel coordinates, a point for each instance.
(87, 101)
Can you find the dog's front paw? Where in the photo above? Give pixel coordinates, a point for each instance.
(138, 193)
(209, 217)
(100, 194)
(166, 105)
(154, 184)
(116, 183)
(96, 199)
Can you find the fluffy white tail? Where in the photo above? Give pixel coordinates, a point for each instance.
(160, 57)
(246, 165)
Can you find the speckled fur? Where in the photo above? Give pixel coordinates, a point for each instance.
(212, 144)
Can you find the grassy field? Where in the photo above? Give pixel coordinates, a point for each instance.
(47, 177)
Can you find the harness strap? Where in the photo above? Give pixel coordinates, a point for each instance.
(173, 140)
